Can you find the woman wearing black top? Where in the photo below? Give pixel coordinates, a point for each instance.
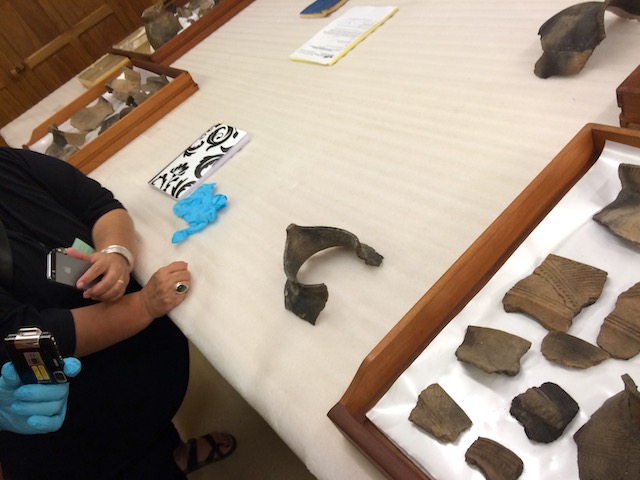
(135, 361)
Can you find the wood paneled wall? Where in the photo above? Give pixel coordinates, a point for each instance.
(45, 43)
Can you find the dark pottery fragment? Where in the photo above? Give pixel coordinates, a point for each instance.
(569, 38)
(544, 411)
(622, 216)
(438, 414)
(62, 138)
(609, 443)
(307, 301)
(556, 291)
(112, 119)
(624, 8)
(494, 460)
(620, 332)
(493, 351)
(570, 351)
(160, 24)
(64, 144)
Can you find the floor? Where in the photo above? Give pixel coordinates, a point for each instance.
(212, 404)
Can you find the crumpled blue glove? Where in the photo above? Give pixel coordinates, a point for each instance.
(34, 408)
(199, 209)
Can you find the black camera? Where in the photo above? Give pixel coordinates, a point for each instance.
(35, 356)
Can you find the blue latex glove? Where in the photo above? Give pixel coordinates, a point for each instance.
(34, 408)
(199, 209)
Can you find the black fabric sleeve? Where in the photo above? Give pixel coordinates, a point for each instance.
(47, 203)
(81, 195)
(15, 315)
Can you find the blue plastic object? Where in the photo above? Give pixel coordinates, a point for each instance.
(322, 8)
(199, 210)
(34, 408)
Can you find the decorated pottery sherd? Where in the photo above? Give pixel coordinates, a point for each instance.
(495, 461)
(620, 331)
(438, 414)
(609, 443)
(556, 291)
(544, 412)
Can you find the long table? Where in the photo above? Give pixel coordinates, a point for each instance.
(414, 142)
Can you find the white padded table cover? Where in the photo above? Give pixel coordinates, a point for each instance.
(414, 142)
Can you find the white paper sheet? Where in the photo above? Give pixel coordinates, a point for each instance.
(568, 231)
(341, 35)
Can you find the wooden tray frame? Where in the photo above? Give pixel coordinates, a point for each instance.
(628, 97)
(191, 36)
(448, 296)
(98, 150)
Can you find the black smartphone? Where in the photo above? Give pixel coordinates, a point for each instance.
(66, 270)
(35, 356)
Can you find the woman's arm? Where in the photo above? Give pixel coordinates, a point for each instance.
(115, 228)
(104, 324)
(113, 231)
(84, 201)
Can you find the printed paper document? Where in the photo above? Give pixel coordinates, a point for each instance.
(341, 35)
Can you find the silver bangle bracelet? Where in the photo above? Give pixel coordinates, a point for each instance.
(120, 250)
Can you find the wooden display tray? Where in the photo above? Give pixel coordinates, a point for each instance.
(448, 296)
(98, 150)
(628, 96)
(190, 36)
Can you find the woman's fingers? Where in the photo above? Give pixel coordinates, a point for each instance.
(160, 294)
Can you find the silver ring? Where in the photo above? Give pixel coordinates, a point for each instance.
(181, 288)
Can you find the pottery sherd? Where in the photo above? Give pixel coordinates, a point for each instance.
(493, 351)
(609, 443)
(438, 414)
(494, 460)
(622, 216)
(620, 331)
(544, 411)
(570, 351)
(556, 291)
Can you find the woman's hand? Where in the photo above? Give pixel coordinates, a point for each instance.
(161, 293)
(34, 408)
(111, 269)
(132, 313)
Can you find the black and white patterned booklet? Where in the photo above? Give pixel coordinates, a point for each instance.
(203, 157)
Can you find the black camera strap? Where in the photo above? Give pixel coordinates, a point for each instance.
(6, 262)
